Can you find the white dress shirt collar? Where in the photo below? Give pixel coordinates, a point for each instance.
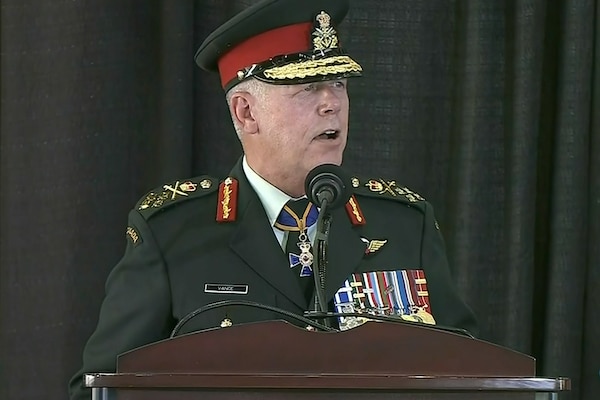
(271, 198)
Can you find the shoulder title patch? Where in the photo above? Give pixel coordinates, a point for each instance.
(175, 192)
(133, 236)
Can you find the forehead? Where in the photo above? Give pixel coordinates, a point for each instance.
(296, 86)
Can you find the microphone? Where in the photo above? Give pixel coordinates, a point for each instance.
(327, 185)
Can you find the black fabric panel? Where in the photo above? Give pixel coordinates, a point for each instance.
(79, 99)
(569, 195)
(590, 366)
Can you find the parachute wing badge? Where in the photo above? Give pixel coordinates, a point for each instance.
(373, 245)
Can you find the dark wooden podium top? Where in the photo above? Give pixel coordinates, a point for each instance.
(374, 348)
(374, 357)
(349, 382)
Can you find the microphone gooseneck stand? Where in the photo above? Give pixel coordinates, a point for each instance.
(326, 186)
(320, 258)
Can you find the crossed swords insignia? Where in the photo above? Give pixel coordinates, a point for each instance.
(181, 190)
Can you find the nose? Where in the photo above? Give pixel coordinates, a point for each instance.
(330, 102)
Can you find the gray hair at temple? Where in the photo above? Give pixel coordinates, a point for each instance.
(253, 86)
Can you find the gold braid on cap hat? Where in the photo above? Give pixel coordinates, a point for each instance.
(323, 66)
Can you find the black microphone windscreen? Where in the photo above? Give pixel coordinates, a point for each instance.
(328, 177)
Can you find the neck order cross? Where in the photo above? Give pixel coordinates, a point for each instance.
(295, 218)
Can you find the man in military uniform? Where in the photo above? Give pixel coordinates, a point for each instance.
(194, 242)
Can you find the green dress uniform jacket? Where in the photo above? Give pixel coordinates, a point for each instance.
(178, 256)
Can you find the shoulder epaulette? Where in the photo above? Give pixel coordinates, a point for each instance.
(385, 188)
(175, 193)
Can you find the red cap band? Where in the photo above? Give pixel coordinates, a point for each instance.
(288, 39)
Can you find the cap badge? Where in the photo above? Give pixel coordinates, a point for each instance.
(325, 37)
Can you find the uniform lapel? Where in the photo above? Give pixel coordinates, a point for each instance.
(345, 252)
(255, 243)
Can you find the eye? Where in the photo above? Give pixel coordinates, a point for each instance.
(310, 87)
(339, 84)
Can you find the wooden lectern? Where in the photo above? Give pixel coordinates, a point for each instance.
(277, 360)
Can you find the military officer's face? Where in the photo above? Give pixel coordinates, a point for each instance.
(301, 127)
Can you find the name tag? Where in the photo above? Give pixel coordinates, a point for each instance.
(225, 288)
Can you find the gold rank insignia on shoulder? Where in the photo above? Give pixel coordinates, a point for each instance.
(227, 203)
(171, 193)
(205, 183)
(382, 187)
(180, 189)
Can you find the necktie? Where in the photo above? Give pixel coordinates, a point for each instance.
(295, 218)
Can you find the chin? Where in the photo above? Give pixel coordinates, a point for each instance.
(334, 159)
(331, 157)
(327, 160)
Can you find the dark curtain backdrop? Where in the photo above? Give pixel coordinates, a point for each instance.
(490, 109)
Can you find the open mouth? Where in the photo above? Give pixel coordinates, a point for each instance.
(329, 134)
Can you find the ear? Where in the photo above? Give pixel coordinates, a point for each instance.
(241, 110)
